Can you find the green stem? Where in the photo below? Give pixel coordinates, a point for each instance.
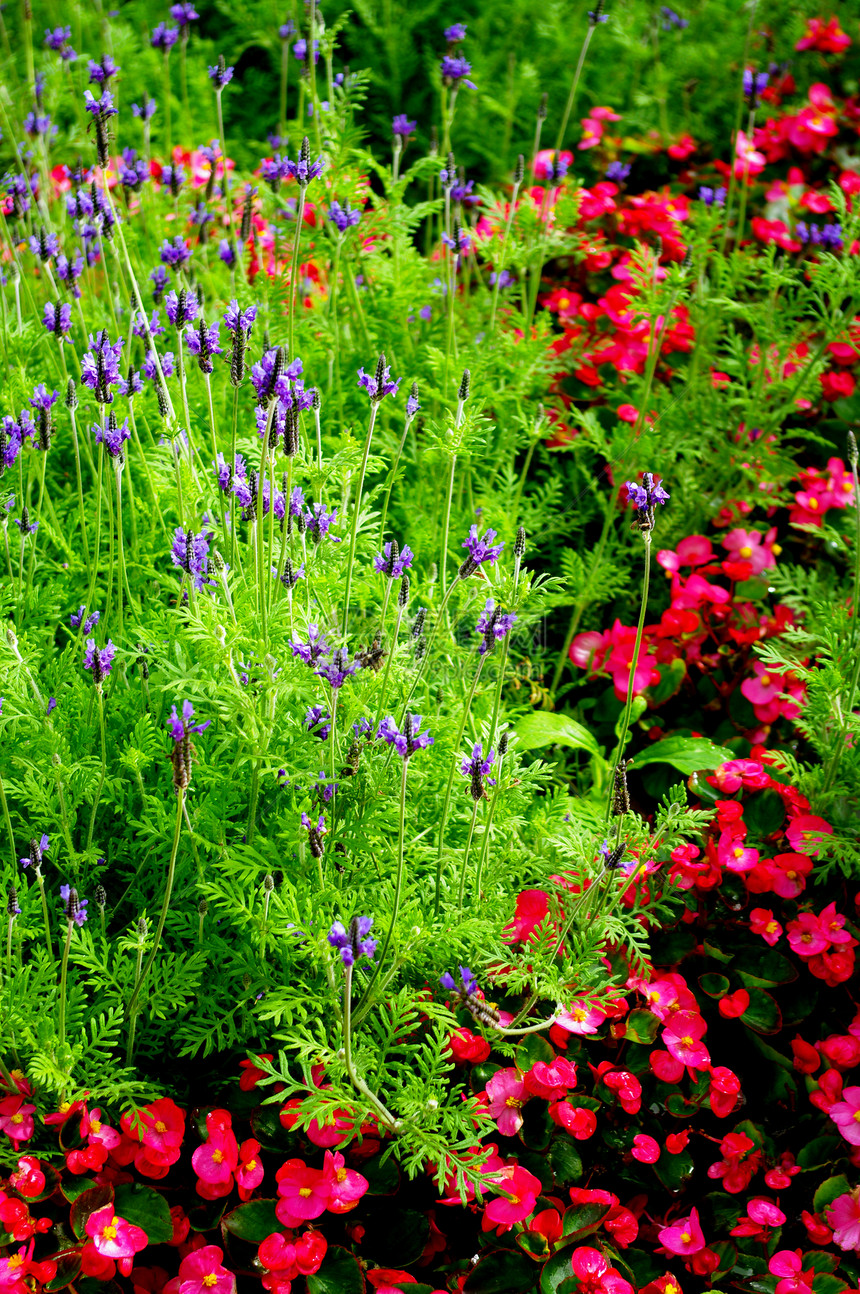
(171, 874)
(466, 853)
(64, 977)
(448, 789)
(640, 627)
(571, 98)
(355, 516)
(398, 889)
(98, 794)
(294, 269)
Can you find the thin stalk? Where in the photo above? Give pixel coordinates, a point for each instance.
(355, 515)
(571, 98)
(466, 852)
(628, 708)
(294, 268)
(398, 889)
(98, 794)
(448, 789)
(394, 467)
(171, 875)
(64, 979)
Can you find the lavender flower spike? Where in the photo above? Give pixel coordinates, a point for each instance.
(352, 943)
(407, 742)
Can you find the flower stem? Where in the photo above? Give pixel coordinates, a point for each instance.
(98, 794)
(447, 802)
(171, 874)
(398, 889)
(466, 853)
(355, 516)
(64, 977)
(294, 269)
(622, 736)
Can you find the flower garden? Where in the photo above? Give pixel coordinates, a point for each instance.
(429, 670)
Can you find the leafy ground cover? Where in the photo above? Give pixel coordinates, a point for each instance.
(428, 773)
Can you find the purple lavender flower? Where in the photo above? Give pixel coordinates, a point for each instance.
(202, 341)
(596, 15)
(456, 32)
(493, 625)
(175, 253)
(319, 719)
(407, 742)
(38, 848)
(287, 29)
(297, 501)
(712, 197)
(51, 706)
(182, 728)
(617, 172)
(644, 498)
(343, 217)
(99, 660)
(112, 435)
(234, 318)
(190, 553)
(150, 368)
(24, 524)
(40, 398)
(300, 50)
(481, 549)
(37, 125)
(57, 38)
(455, 71)
(754, 82)
(181, 308)
(134, 171)
(90, 621)
(159, 279)
(476, 769)
(316, 646)
(164, 37)
(100, 366)
(380, 385)
(337, 670)
(101, 73)
(227, 252)
(353, 943)
(467, 986)
(403, 127)
(412, 402)
(173, 178)
(184, 13)
(101, 108)
(45, 245)
(669, 19)
(74, 909)
(70, 271)
(220, 74)
(392, 562)
(57, 318)
(503, 278)
(228, 477)
(318, 523)
(304, 170)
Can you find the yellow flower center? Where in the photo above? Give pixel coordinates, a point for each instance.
(210, 1279)
(15, 1262)
(160, 1126)
(791, 875)
(218, 1156)
(340, 1175)
(772, 927)
(746, 551)
(64, 1106)
(95, 1125)
(765, 680)
(687, 1041)
(16, 1074)
(848, 486)
(579, 1015)
(686, 1237)
(109, 1233)
(305, 1191)
(18, 1118)
(251, 1165)
(813, 505)
(513, 1104)
(564, 302)
(738, 852)
(776, 549)
(856, 1116)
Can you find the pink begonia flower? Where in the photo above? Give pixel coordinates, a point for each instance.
(113, 1237)
(215, 1161)
(846, 1115)
(249, 1171)
(645, 1148)
(789, 872)
(788, 1264)
(581, 1017)
(347, 1186)
(682, 1037)
(93, 1129)
(16, 1119)
(304, 1193)
(765, 1212)
(749, 546)
(833, 922)
(202, 1273)
(748, 160)
(594, 1274)
(695, 550)
(806, 834)
(685, 1237)
(521, 1191)
(735, 773)
(765, 687)
(763, 922)
(507, 1091)
(578, 1120)
(734, 855)
(806, 935)
(843, 1215)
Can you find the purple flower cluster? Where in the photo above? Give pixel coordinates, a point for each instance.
(455, 71)
(476, 769)
(74, 908)
(467, 986)
(57, 318)
(164, 37)
(318, 722)
(754, 83)
(827, 236)
(37, 849)
(182, 728)
(353, 943)
(202, 341)
(481, 549)
(181, 308)
(99, 660)
(493, 625)
(409, 740)
(314, 649)
(100, 366)
(712, 197)
(343, 216)
(392, 561)
(112, 435)
(89, 621)
(402, 127)
(190, 553)
(175, 253)
(380, 385)
(337, 670)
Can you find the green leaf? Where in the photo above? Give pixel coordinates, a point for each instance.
(687, 754)
(144, 1207)
(714, 985)
(396, 1245)
(641, 1027)
(501, 1272)
(542, 728)
(88, 1202)
(531, 1050)
(821, 1150)
(770, 968)
(763, 1015)
(68, 1268)
(383, 1178)
(339, 1274)
(674, 1170)
(74, 1187)
(253, 1221)
(829, 1191)
(558, 1269)
(565, 1161)
(764, 813)
(824, 1283)
(582, 1219)
(672, 675)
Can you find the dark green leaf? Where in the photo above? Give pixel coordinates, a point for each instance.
(542, 728)
(829, 1191)
(383, 1178)
(565, 1161)
(762, 1014)
(144, 1207)
(764, 813)
(89, 1201)
(558, 1269)
(253, 1221)
(674, 1170)
(339, 1274)
(502, 1272)
(532, 1049)
(68, 1268)
(714, 985)
(642, 1027)
(686, 754)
